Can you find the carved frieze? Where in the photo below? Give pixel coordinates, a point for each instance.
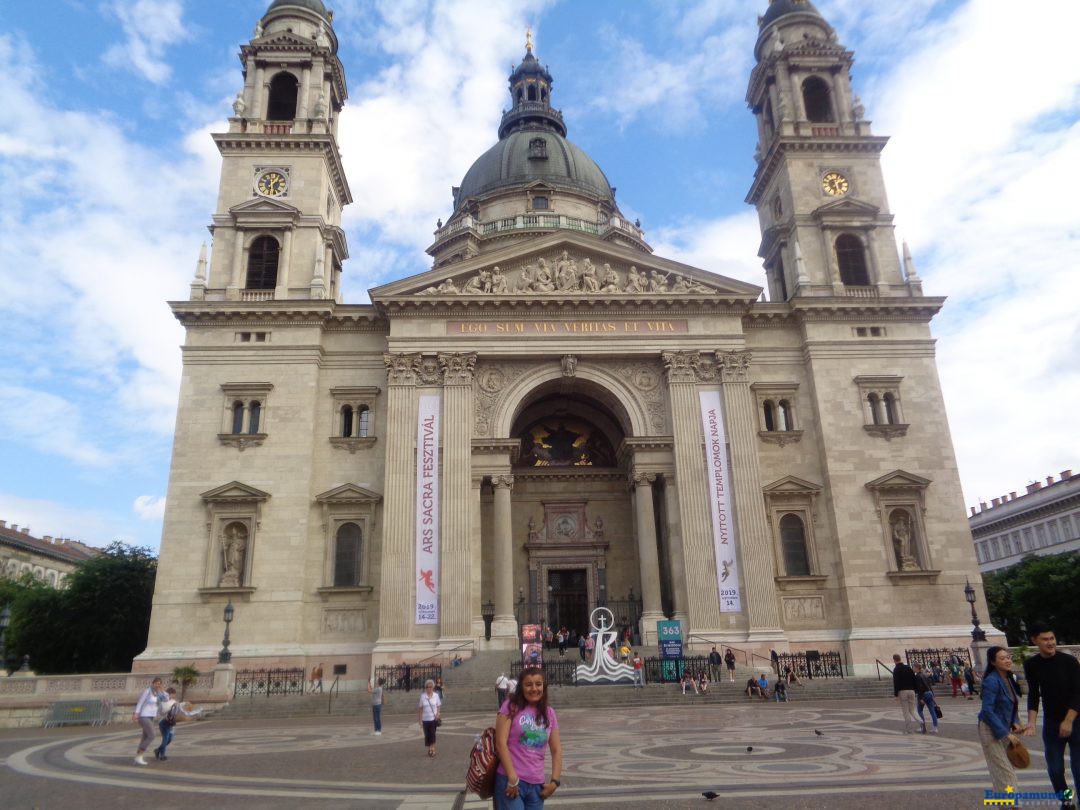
(490, 380)
(565, 273)
(803, 608)
(645, 378)
(428, 371)
(457, 367)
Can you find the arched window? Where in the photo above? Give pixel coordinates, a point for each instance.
(255, 411)
(875, 408)
(50, 578)
(346, 421)
(238, 417)
(770, 415)
(816, 99)
(851, 259)
(793, 543)
(787, 421)
(892, 413)
(364, 418)
(347, 556)
(263, 264)
(532, 92)
(281, 106)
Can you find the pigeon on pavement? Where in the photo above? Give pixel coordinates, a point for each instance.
(819, 733)
(749, 749)
(710, 795)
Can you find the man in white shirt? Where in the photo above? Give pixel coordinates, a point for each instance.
(502, 688)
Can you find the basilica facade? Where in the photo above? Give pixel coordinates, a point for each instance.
(554, 418)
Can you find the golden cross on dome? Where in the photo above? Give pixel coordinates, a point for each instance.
(528, 39)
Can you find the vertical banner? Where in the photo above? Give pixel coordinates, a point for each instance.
(427, 510)
(727, 572)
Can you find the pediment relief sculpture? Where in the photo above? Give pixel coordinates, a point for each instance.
(568, 274)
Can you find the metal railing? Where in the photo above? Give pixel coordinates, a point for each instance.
(330, 695)
(811, 664)
(879, 665)
(406, 677)
(469, 645)
(269, 682)
(745, 654)
(941, 658)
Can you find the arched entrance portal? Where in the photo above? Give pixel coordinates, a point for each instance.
(574, 543)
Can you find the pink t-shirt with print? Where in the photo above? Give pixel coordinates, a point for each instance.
(527, 742)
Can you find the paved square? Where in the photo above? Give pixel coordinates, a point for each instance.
(660, 757)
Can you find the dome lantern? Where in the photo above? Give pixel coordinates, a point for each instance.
(530, 94)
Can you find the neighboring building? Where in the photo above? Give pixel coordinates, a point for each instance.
(1045, 520)
(47, 558)
(534, 424)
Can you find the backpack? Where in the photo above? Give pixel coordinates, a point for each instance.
(170, 716)
(483, 760)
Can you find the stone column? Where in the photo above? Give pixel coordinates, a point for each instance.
(396, 608)
(303, 104)
(755, 548)
(702, 606)
(504, 624)
(676, 560)
(455, 616)
(232, 291)
(284, 263)
(648, 560)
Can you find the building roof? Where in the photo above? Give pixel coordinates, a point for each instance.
(71, 551)
(779, 8)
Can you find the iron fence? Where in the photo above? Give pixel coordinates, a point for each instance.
(811, 664)
(406, 677)
(932, 659)
(269, 682)
(563, 672)
(559, 672)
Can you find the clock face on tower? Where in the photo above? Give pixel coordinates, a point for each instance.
(834, 184)
(272, 183)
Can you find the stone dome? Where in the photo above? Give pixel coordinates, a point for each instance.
(311, 5)
(778, 8)
(514, 161)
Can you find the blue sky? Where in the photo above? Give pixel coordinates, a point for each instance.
(110, 180)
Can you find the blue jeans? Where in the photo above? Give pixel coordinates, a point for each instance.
(376, 715)
(927, 699)
(166, 736)
(528, 797)
(1054, 751)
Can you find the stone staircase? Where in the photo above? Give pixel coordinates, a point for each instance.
(471, 688)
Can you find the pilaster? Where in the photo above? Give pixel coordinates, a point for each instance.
(756, 555)
(455, 618)
(648, 559)
(504, 624)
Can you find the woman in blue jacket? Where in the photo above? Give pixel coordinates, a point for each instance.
(998, 721)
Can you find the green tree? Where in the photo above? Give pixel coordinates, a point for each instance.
(185, 676)
(1037, 589)
(99, 623)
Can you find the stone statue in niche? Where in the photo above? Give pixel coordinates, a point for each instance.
(610, 279)
(598, 528)
(233, 545)
(534, 535)
(635, 281)
(903, 542)
(321, 107)
(588, 278)
(238, 105)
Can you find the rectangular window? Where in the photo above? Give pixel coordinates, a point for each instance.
(1054, 536)
(1040, 533)
(1029, 538)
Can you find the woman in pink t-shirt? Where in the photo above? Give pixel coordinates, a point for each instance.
(525, 726)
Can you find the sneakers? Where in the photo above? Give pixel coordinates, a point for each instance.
(140, 761)
(377, 733)
(933, 730)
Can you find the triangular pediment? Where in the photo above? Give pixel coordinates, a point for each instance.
(234, 491)
(568, 266)
(282, 41)
(791, 485)
(349, 493)
(846, 208)
(263, 205)
(899, 479)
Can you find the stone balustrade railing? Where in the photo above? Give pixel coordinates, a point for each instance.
(121, 686)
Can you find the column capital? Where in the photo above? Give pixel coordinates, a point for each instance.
(502, 481)
(734, 366)
(638, 478)
(401, 368)
(687, 367)
(458, 368)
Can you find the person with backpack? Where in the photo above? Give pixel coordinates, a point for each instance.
(524, 727)
(169, 712)
(146, 709)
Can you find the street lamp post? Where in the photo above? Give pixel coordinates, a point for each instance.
(5, 622)
(225, 657)
(487, 613)
(978, 635)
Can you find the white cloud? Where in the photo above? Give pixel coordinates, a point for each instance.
(91, 526)
(150, 507)
(726, 246)
(150, 27)
(48, 423)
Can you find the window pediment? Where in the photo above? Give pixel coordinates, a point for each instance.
(899, 480)
(845, 210)
(234, 492)
(264, 212)
(349, 494)
(791, 485)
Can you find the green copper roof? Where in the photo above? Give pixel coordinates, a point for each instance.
(778, 8)
(311, 5)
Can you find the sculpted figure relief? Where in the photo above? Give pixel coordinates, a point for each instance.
(566, 274)
(447, 287)
(658, 282)
(635, 282)
(610, 279)
(498, 281)
(680, 285)
(543, 281)
(588, 278)
(480, 283)
(233, 543)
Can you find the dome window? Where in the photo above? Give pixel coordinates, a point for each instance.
(538, 149)
(532, 92)
(540, 203)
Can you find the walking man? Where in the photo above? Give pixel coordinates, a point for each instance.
(904, 688)
(714, 665)
(925, 694)
(502, 688)
(1054, 677)
(316, 678)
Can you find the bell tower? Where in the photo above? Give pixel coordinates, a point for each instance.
(277, 225)
(818, 188)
